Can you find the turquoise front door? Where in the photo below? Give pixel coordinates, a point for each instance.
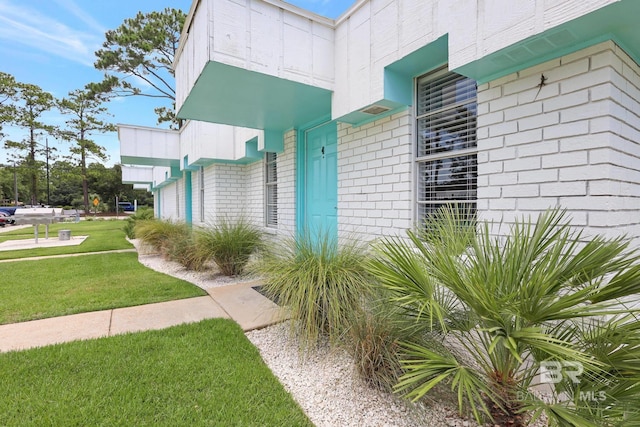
(321, 180)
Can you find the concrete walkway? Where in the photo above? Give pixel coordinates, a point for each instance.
(239, 302)
(115, 251)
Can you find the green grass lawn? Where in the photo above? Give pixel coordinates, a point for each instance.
(103, 236)
(55, 287)
(202, 374)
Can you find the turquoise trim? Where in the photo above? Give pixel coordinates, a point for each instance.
(399, 80)
(176, 173)
(273, 141)
(251, 150)
(187, 166)
(235, 96)
(322, 181)
(159, 204)
(301, 171)
(357, 118)
(616, 22)
(398, 76)
(188, 198)
(252, 155)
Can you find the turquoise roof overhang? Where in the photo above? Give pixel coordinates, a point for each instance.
(238, 97)
(149, 161)
(398, 80)
(617, 22)
(252, 154)
(169, 178)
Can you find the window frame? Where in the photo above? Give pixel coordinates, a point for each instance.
(420, 187)
(270, 209)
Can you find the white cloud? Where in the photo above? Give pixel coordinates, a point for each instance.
(22, 25)
(83, 16)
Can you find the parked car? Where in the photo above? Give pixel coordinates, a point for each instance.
(7, 213)
(11, 210)
(126, 206)
(5, 219)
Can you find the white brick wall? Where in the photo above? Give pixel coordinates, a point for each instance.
(254, 193)
(572, 142)
(286, 164)
(168, 206)
(195, 197)
(375, 178)
(180, 200)
(229, 190)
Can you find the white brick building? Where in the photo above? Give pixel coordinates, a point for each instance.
(399, 106)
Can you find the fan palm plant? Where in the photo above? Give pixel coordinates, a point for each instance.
(507, 307)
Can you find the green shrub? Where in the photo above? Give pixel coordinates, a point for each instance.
(161, 235)
(320, 283)
(183, 249)
(140, 215)
(506, 306)
(229, 244)
(374, 341)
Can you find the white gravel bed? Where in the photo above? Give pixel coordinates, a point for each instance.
(203, 279)
(326, 387)
(324, 383)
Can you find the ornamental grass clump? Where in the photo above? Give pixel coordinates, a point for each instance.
(143, 214)
(230, 244)
(518, 309)
(320, 283)
(173, 240)
(374, 341)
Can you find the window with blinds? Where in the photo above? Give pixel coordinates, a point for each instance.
(446, 151)
(271, 190)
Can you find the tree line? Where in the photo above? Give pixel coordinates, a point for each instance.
(64, 188)
(141, 49)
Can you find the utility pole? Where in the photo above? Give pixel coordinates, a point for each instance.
(46, 142)
(15, 182)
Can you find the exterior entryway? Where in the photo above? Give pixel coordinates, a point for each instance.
(321, 180)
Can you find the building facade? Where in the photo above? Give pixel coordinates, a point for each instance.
(363, 125)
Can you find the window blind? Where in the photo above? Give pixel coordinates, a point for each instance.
(271, 190)
(446, 112)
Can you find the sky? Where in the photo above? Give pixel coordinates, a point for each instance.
(51, 43)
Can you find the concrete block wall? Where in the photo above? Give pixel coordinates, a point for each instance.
(234, 190)
(572, 142)
(276, 39)
(229, 190)
(254, 193)
(195, 197)
(168, 207)
(286, 165)
(375, 163)
(181, 199)
(489, 26)
(210, 202)
(375, 35)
